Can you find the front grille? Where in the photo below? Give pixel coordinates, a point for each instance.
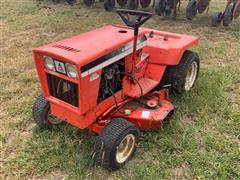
(62, 89)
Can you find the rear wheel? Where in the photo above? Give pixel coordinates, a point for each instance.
(183, 76)
(216, 19)
(42, 115)
(228, 15)
(88, 2)
(132, 4)
(191, 10)
(116, 144)
(109, 5)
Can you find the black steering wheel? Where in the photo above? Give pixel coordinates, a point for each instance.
(140, 17)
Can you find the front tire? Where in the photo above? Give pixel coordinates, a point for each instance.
(183, 76)
(41, 114)
(116, 144)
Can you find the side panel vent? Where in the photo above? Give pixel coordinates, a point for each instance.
(66, 48)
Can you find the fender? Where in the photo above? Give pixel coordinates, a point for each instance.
(167, 48)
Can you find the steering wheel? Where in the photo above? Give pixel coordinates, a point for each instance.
(140, 17)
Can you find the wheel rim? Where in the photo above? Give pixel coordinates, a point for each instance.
(53, 119)
(191, 76)
(125, 148)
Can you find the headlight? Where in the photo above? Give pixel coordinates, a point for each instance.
(49, 63)
(71, 70)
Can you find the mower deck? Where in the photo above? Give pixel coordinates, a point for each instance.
(147, 113)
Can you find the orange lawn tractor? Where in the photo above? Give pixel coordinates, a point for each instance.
(232, 11)
(115, 82)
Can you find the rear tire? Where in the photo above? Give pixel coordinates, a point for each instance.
(183, 76)
(216, 19)
(191, 10)
(228, 15)
(41, 114)
(116, 144)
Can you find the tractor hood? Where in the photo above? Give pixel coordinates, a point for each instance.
(87, 47)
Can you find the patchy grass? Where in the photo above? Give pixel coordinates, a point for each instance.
(202, 142)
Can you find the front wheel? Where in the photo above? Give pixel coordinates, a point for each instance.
(183, 76)
(116, 144)
(42, 115)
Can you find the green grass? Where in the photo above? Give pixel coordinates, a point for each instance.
(201, 141)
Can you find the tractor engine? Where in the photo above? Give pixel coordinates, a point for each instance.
(111, 80)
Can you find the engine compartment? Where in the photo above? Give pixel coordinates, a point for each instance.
(111, 80)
